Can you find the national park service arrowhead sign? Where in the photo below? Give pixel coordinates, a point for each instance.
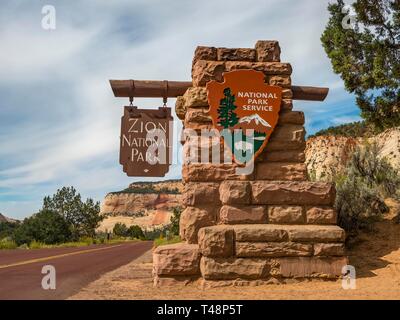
(244, 104)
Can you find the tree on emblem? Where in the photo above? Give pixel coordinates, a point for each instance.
(227, 116)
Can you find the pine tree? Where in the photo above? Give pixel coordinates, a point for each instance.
(226, 112)
(367, 56)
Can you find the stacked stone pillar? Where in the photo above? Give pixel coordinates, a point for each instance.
(270, 224)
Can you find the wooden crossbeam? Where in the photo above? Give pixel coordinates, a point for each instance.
(171, 89)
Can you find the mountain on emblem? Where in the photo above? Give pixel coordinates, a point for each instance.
(257, 119)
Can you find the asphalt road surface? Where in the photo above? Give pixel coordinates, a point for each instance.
(21, 270)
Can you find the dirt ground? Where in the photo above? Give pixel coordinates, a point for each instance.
(375, 255)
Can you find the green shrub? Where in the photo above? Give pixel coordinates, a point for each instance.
(135, 232)
(156, 232)
(7, 229)
(356, 204)
(361, 190)
(64, 218)
(87, 241)
(174, 227)
(45, 226)
(83, 217)
(120, 229)
(163, 241)
(353, 130)
(101, 237)
(7, 244)
(148, 189)
(38, 245)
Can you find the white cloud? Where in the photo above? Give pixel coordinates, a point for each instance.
(29, 55)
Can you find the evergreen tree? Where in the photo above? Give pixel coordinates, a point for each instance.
(226, 112)
(45, 226)
(120, 229)
(174, 227)
(7, 229)
(83, 217)
(367, 56)
(135, 232)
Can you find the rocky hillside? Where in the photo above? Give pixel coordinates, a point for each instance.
(327, 155)
(146, 204)
(3, 218)
(389, 142)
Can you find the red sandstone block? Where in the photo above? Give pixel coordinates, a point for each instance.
(292, 193)
(205, 53)
(176, 260)
(192, 219)
(205, 71)
(311, 267)
(285, 215)
(236, 54)
(242, 214)
(216, 241)
(268, 50)
(235, 192)
(273, 249)
(281, 171)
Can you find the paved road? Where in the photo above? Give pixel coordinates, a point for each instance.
(21, 277)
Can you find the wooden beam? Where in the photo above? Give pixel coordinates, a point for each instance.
(309, 93)
(149, 88)
(172, 89)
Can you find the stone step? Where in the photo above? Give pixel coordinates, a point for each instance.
(261, 192)
(195, 217)
(286, 214)
(255, 268)
(260, 251)
(271, 240)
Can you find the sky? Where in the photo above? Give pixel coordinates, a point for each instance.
(59, 120)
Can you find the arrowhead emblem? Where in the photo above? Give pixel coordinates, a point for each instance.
(245, 110)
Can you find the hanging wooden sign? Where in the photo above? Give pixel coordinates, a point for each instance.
(146, 141)
(242, 102)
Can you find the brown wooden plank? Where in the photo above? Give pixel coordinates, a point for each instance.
(172, 89)
(309, 93)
